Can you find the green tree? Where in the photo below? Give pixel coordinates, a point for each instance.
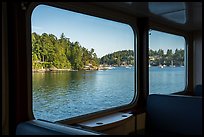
(169, 57)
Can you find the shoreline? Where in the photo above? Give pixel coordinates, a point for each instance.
(50, 70)
(84, 69)
(62, 70)
(71, 70)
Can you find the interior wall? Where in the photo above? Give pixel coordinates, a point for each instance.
(5, 112)
(198, 57)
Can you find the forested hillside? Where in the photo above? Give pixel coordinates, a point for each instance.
(124, 57)
(50, 52)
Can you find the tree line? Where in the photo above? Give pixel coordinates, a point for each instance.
(158, 57)
(119, 58)
(50, 52)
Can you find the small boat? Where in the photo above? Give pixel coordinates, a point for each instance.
(161, 66)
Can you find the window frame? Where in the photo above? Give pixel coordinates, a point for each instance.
(177, 32)
(121, 18)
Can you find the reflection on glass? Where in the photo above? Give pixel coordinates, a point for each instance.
(173, 11)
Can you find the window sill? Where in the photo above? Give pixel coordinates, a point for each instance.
(107, 122)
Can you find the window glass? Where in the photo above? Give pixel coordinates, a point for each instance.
(81, 64)
(167, 67)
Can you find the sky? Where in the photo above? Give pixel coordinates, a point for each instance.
(104, 36)
(162, 40)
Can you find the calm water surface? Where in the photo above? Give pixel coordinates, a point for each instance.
(166, 80)
(62, 95)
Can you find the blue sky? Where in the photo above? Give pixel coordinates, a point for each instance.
(104, 36)
(162, 40)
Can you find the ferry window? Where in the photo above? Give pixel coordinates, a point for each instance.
(167, 66)
(80, 64)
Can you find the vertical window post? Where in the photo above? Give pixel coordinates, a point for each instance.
(142, 64)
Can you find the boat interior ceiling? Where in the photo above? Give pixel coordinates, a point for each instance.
(183, 15)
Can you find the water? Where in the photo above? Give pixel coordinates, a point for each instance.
(57, 96)
(62, 95)
(166, 80)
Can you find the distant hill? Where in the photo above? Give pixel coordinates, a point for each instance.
(119, 58)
